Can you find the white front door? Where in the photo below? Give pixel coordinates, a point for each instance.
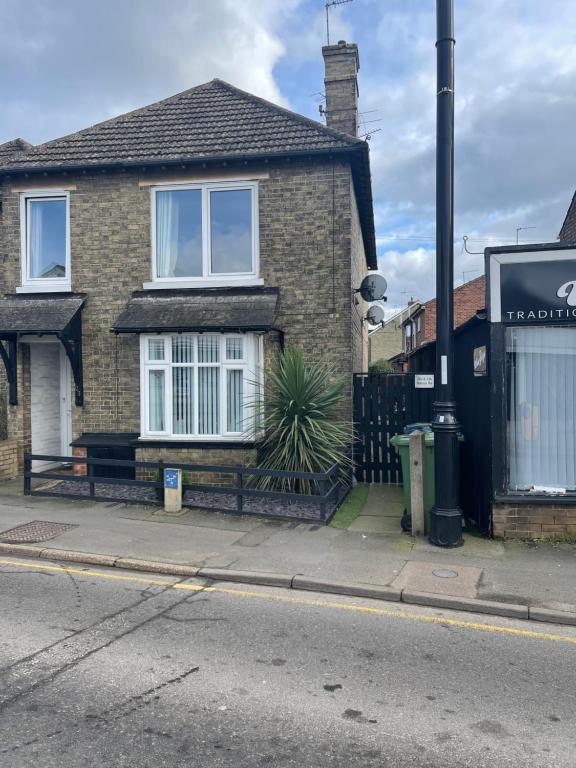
(50, 400)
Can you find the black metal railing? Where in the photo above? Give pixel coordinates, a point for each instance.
(325, 489)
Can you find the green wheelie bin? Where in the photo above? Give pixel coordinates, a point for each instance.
(402, 445)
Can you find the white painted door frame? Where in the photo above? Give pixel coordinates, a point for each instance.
(65, 393)
(65, 403)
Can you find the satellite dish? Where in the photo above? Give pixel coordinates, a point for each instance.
(375, 314)
(373, 288)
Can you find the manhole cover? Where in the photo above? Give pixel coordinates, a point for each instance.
(445, 573)
(37, 530)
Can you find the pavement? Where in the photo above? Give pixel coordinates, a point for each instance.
(105, 668)
(371, 559)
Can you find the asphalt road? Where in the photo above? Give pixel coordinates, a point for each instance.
(106, 668)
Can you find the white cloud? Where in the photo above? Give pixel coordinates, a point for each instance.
(66, 65)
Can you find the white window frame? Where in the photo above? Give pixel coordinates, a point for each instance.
(208, 278)
(250, 364)
(41, 284)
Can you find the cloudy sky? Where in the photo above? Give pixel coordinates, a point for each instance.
(65, 64)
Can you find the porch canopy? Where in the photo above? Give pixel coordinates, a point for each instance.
(200, 310)
(57, 314)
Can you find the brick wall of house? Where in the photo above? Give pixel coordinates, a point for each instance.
(8, 459)
(533, 521)
(468, 299)
(309, 240)
(568, 231)
(386, 342)
(359, 328)
(216, 456)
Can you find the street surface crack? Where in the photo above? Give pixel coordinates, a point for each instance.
(32, 665)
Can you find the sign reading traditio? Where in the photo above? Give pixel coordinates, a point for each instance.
(533, 286)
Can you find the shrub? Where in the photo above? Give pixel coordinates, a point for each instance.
(301, 430)
(381, 366)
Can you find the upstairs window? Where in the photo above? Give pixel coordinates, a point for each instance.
(45, 241)
(204, 231)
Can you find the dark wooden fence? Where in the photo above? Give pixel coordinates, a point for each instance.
(234, 489)
(383, 405)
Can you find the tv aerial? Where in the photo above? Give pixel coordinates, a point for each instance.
(327, 5)
(373, 288)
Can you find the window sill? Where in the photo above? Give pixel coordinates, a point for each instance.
(168, 442)
(225, 282)
(49, 288)
(544, 499)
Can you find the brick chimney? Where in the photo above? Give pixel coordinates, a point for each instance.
(341, 65)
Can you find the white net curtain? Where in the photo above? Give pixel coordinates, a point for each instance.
(542, 407)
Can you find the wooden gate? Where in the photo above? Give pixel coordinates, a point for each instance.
(383, 405)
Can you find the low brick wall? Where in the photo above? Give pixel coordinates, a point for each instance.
(8, 459)
(529, 521)
(237, 456)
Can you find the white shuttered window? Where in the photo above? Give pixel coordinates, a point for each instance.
(199, 386)
(541, 373)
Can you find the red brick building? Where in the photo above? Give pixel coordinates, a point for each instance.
(420, 327)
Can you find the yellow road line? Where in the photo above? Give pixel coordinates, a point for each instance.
(386, 612)
(88, 572)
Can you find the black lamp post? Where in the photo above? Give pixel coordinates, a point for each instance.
(446, 516)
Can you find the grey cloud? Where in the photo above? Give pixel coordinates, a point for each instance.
(65, 64)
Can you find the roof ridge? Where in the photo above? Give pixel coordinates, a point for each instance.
(353, 140)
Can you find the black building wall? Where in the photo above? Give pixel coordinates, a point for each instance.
(473, 412)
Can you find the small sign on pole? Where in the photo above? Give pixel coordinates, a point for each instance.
(172, 490)
(424, 381)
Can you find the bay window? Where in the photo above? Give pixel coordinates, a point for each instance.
(199, 386)
(203, 232)
(45, 241)
(541, 383)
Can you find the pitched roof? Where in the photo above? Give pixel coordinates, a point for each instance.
(568, 231)
(34, 313)
(11, 148)
(211, 120)
(213, 309)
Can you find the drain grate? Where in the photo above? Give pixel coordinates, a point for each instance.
(36, 530)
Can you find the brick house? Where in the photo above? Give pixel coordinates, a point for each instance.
(387, 342)
(420, 327)
(153, 264)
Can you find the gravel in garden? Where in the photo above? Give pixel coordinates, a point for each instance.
(199, 499)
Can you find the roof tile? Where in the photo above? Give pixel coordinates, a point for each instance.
(213, 119)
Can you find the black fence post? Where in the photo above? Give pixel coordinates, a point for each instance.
(323, 491)
(239, 495)
(27, 470)
(90, 473)
(160, 491)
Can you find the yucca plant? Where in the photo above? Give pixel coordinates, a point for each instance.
(302, 432)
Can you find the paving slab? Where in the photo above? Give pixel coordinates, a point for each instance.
(439, 579)
(374, 524)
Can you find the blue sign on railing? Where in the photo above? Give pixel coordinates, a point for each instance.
(171, 478)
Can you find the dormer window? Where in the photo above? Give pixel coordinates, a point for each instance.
(205, 234)
(45, 239)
